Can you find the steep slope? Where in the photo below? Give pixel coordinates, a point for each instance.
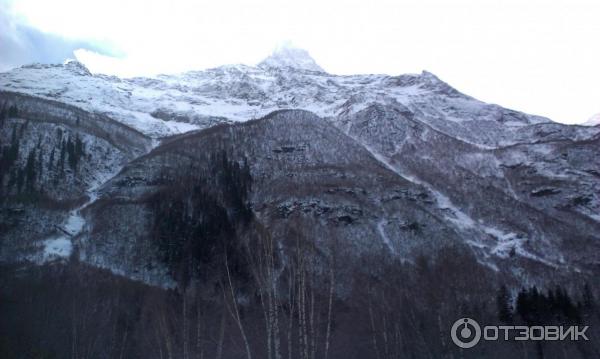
(309, 179)
(305, 175)
(53, 158)
(535, 200)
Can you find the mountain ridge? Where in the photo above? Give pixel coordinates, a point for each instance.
(416, 126)
(171, 104)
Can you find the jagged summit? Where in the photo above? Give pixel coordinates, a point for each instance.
(289, 56)
(77, 68)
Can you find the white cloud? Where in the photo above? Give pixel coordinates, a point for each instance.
(536, 56)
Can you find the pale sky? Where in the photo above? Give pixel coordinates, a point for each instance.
(540, 57)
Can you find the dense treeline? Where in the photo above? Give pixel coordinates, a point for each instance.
(25, 166)
(74, 311)
(535, 307)
(197, 217)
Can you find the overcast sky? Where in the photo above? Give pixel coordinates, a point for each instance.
(541, 57)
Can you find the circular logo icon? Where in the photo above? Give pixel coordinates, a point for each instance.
(465, 333)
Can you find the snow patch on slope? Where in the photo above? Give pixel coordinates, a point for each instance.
(383, 235)
(56, 248)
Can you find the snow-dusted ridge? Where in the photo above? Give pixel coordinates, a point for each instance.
(164, 105)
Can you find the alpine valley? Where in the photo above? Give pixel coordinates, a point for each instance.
(279, 211)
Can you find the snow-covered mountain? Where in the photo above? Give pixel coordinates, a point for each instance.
(158, 179)
(473, 163)
(288, 79)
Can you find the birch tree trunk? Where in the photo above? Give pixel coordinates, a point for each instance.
(236, 313)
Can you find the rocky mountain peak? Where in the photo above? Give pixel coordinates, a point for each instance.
(77, 68)
(289, 56)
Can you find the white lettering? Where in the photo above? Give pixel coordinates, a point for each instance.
(582, 333)
(552, 332)
(494, 331)
(533, 330)
(523, 329)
